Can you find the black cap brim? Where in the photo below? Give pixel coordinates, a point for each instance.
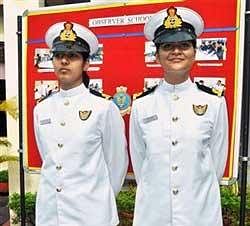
(68, 46)
(177, 36)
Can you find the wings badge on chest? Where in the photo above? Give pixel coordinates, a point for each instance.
(84, 115)
(200, 109)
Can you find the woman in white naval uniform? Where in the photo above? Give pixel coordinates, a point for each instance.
(80, 138)
(178, 133)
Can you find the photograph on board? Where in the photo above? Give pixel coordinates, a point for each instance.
(43, 60)
(96, 84)
(97, 58)
(44, 88)
(151, 82)
(217, 85)
(211, 49)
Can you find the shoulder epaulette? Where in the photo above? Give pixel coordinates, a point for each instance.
(209, 90)
(45, 97)
(96, 93)
(145, 93)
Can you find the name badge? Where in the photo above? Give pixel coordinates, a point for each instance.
(150, 119)
(45, 121)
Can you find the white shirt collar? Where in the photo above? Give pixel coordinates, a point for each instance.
(165, 86)
(74, 91)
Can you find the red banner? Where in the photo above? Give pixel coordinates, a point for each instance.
(125, 58)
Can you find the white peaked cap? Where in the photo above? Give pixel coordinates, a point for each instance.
(188, 15)
(82, 32)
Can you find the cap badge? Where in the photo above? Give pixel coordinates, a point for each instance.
(173, 20)
(68, 34)
(200, 109)
(84, 115)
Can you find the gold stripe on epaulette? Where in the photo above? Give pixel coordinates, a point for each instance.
(136, 95)
(106, 96)
(218, 93)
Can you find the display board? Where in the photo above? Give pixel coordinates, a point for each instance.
(125, 63)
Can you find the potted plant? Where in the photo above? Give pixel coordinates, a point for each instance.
(125, 205)
(230, 202)
(4, 148)
(30, 203)
(4, 186)
(10, 106)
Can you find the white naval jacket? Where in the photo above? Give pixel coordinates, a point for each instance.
(178, 156)
(84, 160)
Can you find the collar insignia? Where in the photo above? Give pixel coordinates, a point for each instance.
(200, 109)
(173, 20)
(84, 115)
(68, 34)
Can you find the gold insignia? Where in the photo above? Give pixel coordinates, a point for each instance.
(84, 115)
(106, 96)
(173, 20)
(68, 34)
(135, 95)
(217, 92)
(200, 109)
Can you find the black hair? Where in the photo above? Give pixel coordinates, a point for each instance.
(85, 79)
(85, 76)
(85, 55)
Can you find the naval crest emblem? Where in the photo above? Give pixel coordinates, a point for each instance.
(122, 100)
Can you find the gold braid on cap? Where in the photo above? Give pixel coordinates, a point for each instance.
(173, 20)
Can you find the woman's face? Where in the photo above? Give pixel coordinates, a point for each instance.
(176, 57)
(68, 68)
